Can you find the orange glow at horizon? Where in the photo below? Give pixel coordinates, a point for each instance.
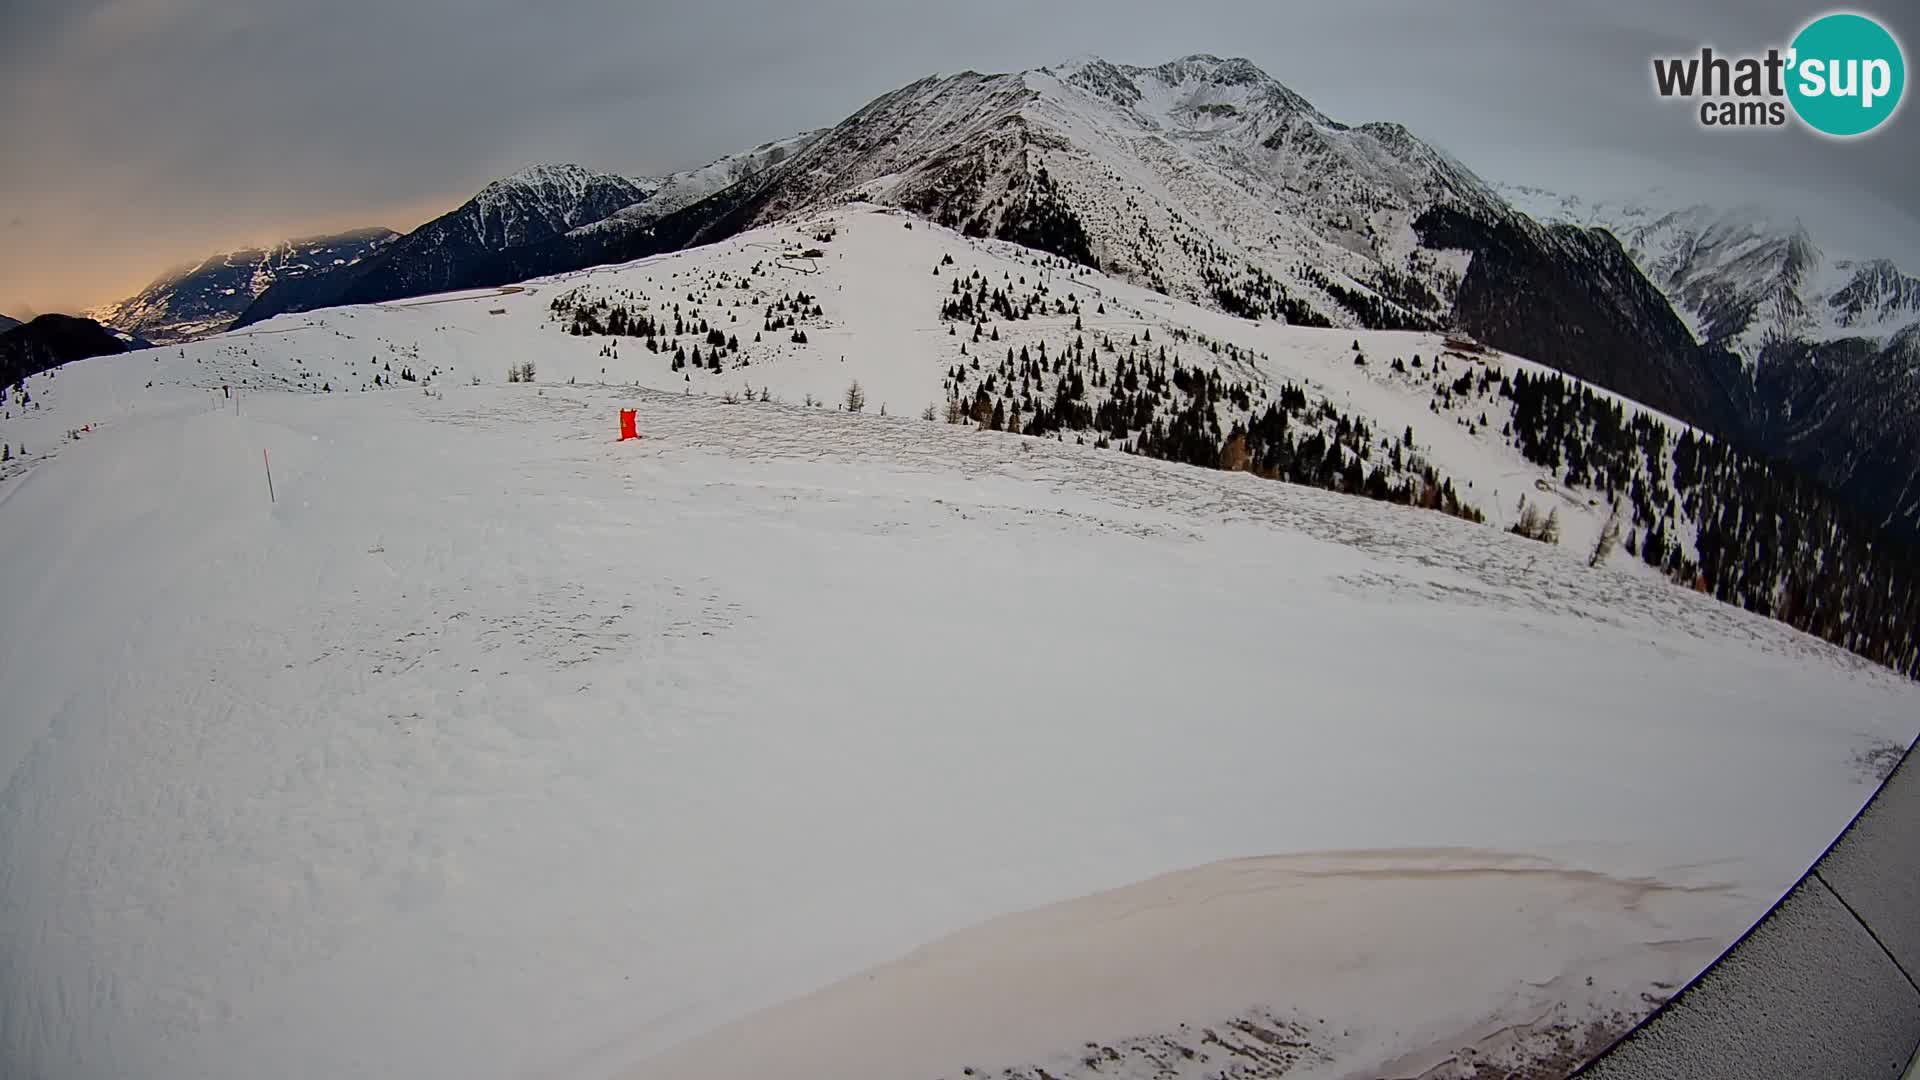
(40, 274)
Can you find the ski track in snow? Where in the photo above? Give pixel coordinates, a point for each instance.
(497, 748)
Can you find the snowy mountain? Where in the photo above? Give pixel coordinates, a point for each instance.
(1826, 340)
(540, 203)
(7, 324)
(205, 297)
(676, 191)
(821, 733)
(1745, 277)
(1202, 178)
(535, 204)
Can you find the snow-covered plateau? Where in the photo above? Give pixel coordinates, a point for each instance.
(788, 741)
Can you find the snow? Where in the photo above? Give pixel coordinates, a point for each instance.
(676, 191)
(1708, 257)
(204, 298)
(1186, 175)
(555, 185)
(1181, 953)
(495, 747)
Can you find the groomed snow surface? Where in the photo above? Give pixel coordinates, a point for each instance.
(785, 741)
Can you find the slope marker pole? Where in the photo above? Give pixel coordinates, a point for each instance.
(269, 466)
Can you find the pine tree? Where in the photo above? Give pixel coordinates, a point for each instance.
(1235, 458)
(1608, 539)
(856, 398)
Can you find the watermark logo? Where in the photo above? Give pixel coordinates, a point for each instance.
(1843, 75)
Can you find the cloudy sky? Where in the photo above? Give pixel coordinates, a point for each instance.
(142, 133)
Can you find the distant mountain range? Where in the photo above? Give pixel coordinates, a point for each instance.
(205, 297)
(1202, 177)
(538, 205)
(7, 324)
(1745, 277)
(1208, 180)
(1829, 342)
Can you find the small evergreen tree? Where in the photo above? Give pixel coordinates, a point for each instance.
(1608, 539)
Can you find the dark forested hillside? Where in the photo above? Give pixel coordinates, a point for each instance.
(1765, 536)
(51, 340)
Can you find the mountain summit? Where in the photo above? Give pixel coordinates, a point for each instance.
(1202, 178)
(1208, 180)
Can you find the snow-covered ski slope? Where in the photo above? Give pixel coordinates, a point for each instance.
(880, 300)
(496, 748)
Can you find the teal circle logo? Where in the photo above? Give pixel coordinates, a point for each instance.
(1846, 74)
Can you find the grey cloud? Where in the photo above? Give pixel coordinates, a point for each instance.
(156, 130)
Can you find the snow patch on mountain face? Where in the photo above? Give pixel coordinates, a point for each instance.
(1744, 277)
(676, 191)
(1877, 295)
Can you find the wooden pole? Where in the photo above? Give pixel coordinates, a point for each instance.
(269, 465)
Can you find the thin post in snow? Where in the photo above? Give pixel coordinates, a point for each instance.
(269, 465)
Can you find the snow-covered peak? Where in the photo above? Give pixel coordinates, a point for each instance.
(1746, 275)
(560, 185)
(1199, 91)
(533, 204)
(1204, 177)
(563, 177)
